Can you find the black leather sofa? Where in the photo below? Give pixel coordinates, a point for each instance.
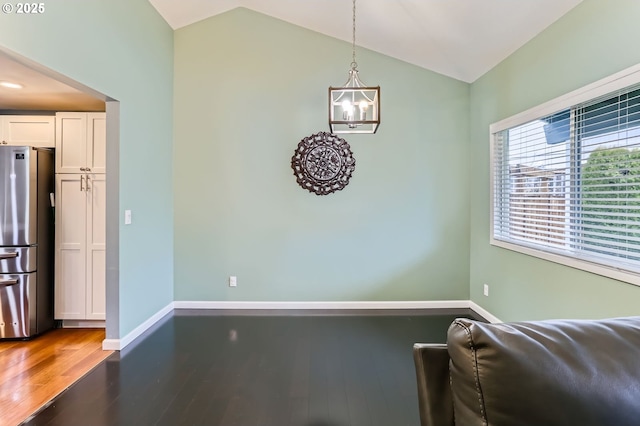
(538, 373)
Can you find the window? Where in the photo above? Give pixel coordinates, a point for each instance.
(566, 179)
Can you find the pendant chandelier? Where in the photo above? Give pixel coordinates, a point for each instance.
(355, 107)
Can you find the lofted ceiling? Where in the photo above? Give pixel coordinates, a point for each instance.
(462, 39)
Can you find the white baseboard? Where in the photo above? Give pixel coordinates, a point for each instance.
(119, 344)
(418, 304)
(83, 324)
(410, 304)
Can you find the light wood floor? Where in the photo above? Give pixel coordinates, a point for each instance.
(33, 372)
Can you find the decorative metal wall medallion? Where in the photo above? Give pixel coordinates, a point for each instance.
(323, 163)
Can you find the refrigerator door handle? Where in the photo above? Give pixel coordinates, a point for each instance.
(8, 255)
(8, 282)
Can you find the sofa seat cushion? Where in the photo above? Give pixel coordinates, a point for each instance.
(562, 372)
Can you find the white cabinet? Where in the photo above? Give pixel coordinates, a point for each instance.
(80, 142)
(80, 247)
(80, 216)
(38, 131)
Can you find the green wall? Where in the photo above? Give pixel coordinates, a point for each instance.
(247, 89)
(594, 40)
(124, 49)
(413, 224)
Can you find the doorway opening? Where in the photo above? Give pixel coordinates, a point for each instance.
(46, 91)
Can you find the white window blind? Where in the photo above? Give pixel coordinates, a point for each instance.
(568, 183)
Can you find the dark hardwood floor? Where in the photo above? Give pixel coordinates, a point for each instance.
(213, 368)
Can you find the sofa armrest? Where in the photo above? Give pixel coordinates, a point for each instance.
(552, 373)
(434, 390)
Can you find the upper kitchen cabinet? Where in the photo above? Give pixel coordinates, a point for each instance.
(80, 142)
(38, 131)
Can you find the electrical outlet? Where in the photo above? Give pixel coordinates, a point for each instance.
(233, 281)
(485, 290)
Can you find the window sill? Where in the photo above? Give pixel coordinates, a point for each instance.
(583, 265)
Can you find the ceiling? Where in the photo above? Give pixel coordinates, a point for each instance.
(40, 91)
(462, 39)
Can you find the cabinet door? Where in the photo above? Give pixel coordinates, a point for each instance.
(37, 131)
(71, 142)
(96, 142)
(71, 253)
(96, 244)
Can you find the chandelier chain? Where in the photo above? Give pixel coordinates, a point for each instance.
(354, 64)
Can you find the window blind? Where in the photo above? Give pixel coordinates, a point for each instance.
(569, 183)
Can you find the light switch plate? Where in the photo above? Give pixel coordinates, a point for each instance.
(127, 217)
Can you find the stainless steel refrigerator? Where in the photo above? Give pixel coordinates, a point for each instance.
(27, 183)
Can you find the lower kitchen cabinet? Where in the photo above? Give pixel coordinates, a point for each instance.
(80, 247)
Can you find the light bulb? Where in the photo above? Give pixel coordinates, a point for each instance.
(363, 110)
(347, 110)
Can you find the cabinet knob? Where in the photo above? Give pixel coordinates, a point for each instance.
(82, 169)
(88, 169)
(4, 142)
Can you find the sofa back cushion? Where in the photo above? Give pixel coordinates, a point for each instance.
(564, 372)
